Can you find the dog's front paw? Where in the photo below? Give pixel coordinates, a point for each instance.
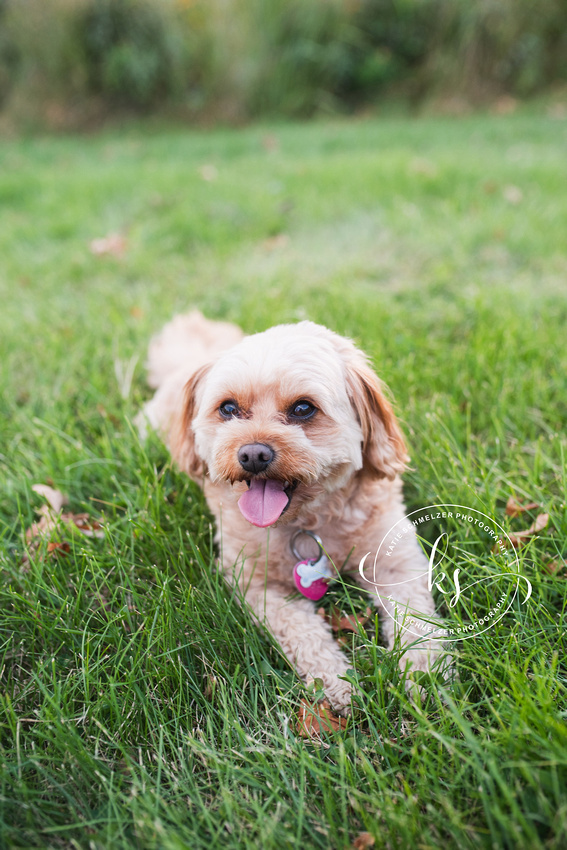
(427, 656)
(339, 693)
(431, 657)
(419, 659)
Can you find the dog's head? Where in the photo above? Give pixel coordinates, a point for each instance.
(292, 412)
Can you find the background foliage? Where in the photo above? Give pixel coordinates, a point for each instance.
(72, 62)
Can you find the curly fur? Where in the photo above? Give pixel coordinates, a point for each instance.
(346, 462)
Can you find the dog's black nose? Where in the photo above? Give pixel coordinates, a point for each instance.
(255, 457)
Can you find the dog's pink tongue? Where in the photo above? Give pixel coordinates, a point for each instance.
(263, 502)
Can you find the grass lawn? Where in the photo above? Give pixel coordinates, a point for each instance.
(139, 705)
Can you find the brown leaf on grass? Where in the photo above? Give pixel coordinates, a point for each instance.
(555, 567)
(513, 194)
(210, 687)
(208, 173)
(50, 515)
(557, 111)
(86, 525)
(270, 142)
(101, 409)
(62, 548)
(55, 498)
(514, 508)
(518, 538)
(272, 243)
(419, 165)
(505, 105)
(315, 719)
(350, 622)
(114, 244)
(45, 525)
(363, 840)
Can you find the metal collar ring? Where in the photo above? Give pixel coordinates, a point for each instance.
(310, 534)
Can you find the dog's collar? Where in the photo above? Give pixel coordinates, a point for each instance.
(312, 576)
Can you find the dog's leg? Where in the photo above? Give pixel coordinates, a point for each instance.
(306, 638)
(398, 587)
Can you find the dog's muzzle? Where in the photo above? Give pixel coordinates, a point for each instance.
(255, 457)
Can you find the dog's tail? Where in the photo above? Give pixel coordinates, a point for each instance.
(182, 346)
(187, 343)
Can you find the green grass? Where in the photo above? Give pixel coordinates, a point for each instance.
(139, 705)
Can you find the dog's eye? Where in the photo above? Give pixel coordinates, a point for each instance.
(302, 410)
(228, 409)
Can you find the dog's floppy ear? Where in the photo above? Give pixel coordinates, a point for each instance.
(384, 451)
(182, 439)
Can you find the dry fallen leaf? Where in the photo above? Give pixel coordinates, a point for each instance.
(114, 244)
(513, 194)
(514, 508)
(557, 111)
(363, 840)
(350, 622)
(58, 548)
(86, 525)
(210, 686)
(419, 165)
(50, 517)
(274, 242)
(505, 105)
(518, 538)
(315, 719)
(555, 567)
(270, 142)
(209, 172)
(55, 498)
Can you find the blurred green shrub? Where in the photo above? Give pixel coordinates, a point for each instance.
(240, 58)
(304, 52)
(63, 61)
(514, 46)
(8, 55)
(396, 39)
(133, 51)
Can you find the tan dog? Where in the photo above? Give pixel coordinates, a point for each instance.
(289, 431)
